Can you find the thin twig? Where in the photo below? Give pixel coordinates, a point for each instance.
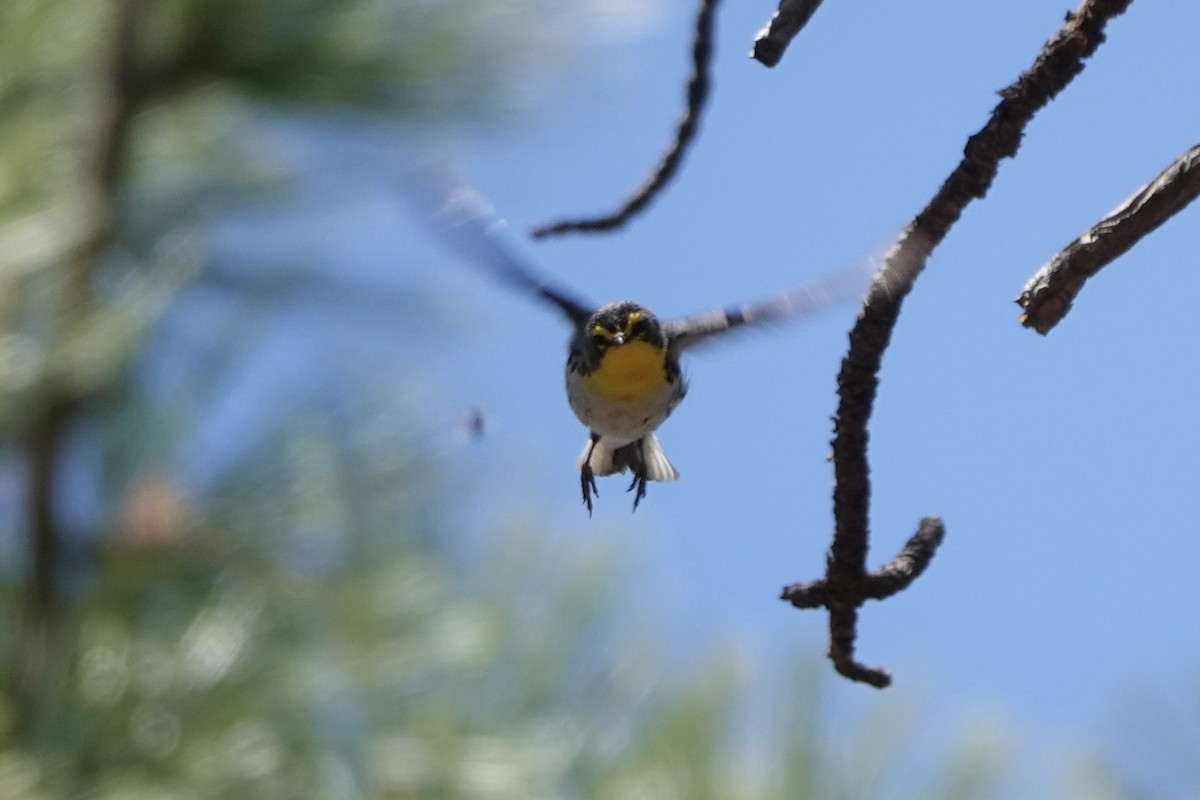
(1048, 295)
(847, 583)
(698, 88)
(774, 38)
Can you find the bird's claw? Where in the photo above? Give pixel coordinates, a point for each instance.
(639, 483)
(587, 481)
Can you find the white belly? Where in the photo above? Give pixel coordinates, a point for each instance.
(621, 421)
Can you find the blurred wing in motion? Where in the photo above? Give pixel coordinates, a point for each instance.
(466, 220)
(806, 300)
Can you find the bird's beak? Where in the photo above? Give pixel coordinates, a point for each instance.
(618, 339)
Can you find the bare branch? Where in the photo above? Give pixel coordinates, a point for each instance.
(61, 400)
(46, 431)
(1048, 295)
(847, 583)
(843, 628)
(685, 133)
(773, 40)
(843, 594)
(897, 574)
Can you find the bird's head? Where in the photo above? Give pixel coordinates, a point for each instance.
(621, 323)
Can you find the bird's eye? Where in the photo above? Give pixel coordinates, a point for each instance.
(638, 328)
(601, 336)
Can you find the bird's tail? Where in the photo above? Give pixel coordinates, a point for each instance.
(599, 456)
(645, 457)
(655, 466)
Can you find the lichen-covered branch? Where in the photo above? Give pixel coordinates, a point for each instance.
(847, 583)
(909, 563)
(1048, 295)
(843, 594)
(699, 85)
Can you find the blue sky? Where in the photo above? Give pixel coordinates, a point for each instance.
(1065, 467)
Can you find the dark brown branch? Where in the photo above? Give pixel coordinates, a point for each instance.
(914, 557)
(1048, 295)
(60, 399)
(847, 583)
(845, 596)
(43, 444)
(685, 133)
(773, 40)
(843, 625)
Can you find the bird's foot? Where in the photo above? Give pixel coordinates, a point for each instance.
(587, 482)
(639, 483)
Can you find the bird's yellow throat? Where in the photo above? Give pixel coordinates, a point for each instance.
(629, 372)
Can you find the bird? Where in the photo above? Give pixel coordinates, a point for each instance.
(623, 375)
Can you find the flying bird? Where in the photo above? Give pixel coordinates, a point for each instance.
(623, 375)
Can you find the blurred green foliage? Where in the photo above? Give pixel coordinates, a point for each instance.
(309, 634)
(188, 77)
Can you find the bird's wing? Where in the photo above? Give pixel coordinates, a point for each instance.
(837, 287)
(467, 221)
